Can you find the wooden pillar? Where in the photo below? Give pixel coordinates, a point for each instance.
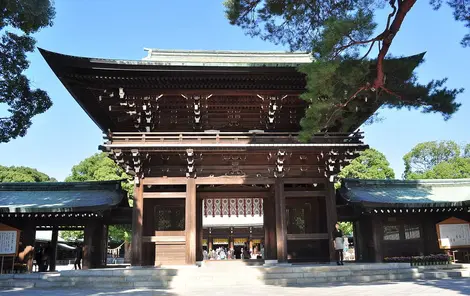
(54, 239)
(269, 222)
(137, 225)
(377, 238)
(104, 245)
(209, 243)
(97, 243)
(28, 238)
(199, 230)
(358, 241)
(88, 245)
(281, 223)
(367, 237)
(331, 216)
(190, 221)
(93, 251)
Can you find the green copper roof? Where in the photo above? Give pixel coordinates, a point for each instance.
(60, 196)
(229, 58)
(416, 193)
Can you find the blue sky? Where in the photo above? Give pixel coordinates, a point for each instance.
(64, 135)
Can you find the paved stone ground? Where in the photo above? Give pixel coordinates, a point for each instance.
(440, 287)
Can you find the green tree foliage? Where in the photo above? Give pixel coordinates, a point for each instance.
(346, 228)
(457, 168)
(18, 20)
(119, 233)
(437, 160)
(99, 167)
(23, 174)
(371, 164)
(71, 235)
(466, 151)
(425, 156)
(343, 87)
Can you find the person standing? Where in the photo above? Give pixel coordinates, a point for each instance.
(46, 257)
(78, 257)
(338, 243)
(38, 257)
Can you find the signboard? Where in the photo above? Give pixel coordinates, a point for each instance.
(453, 233)
(8, 242)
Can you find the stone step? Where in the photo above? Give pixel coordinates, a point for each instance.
(188, 278)
(445, 274)
(351, 279)
(121, 272)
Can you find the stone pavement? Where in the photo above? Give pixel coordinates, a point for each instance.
(446, 287)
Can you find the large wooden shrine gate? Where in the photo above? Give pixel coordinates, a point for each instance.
(293, 181)
(195, 125)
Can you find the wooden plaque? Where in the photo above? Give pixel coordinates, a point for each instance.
(453, 233)
(9, 240)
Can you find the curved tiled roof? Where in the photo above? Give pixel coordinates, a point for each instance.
(409, 193)
(60, 196)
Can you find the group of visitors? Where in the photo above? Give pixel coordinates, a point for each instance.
(223, 253)
(43, 256)
(219, 254)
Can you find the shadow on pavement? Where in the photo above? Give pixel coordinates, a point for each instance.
(458, 285)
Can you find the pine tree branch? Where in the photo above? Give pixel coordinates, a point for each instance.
(404, 8)
(391, 92)
(370, 48)
(250, 9)
(353, 43)
(345, 104)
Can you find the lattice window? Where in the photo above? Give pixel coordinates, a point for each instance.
(169, 218)
(295, 220)
(248, 206)
(412, 232)
(391, 232)
(241, 207)
(217, 207)
(233, 207)
(163, 217)
(208, 207)
(179, 219)
(225, 207)
(257, 208)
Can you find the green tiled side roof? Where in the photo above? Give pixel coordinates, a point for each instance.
(416, 193)
(60, 196)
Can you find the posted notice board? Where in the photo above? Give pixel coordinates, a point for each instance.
(453, 233)
(9, 240)
(8, 243)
